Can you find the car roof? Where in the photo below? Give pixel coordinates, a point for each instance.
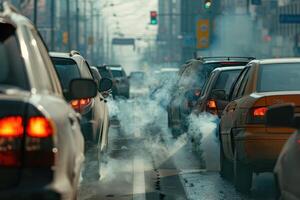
(169, 69)
(228, 68)
(60, 54)
(115, 68)
(277, 60)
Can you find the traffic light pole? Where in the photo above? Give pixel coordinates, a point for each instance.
(35, 12)
(68, 25)
(77, 24)
(52, 25)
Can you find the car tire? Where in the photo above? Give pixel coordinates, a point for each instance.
(226, 166)
(242, 176)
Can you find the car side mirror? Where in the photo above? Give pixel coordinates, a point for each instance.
(105, 85)
(82, 89)
(219, 95)
(281, 116)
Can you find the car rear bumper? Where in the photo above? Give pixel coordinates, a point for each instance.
(38, 194)
(260, 150)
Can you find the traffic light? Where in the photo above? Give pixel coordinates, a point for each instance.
(153, 17)
(207, 4)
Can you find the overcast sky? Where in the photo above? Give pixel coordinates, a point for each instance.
(132, 16)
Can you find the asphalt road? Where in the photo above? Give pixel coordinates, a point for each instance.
(147, 165)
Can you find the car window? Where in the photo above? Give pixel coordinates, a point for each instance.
(225, 80)
(85, 71)
(193, 76)
(242, 88)
(237, 84)
(104, 72)
(12, 68)
(117, 73)
(279, 77)
(208, 84)
(67, 70)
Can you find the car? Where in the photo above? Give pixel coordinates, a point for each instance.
(191, 78)
(138, 84)
(121, 81)
(93, 110)
(162, 85)
(247, 145)
(215, 92)
(42, 147)
(288, 162)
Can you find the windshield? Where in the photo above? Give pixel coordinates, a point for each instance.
(117, 73)
(104, 72)
(67, 70)
(12, 68)
(279, 77)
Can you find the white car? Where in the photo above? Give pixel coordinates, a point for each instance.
(41, 144)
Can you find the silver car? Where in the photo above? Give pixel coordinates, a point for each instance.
(286, 171)
(41, 144)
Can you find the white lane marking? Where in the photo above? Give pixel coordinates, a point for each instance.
(139, 189)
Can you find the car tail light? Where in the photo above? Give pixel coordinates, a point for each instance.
(11, 134)
(257, 115)
(79, 104)
(211, 107)
(11, 126)
(39, 127)
(39, 142)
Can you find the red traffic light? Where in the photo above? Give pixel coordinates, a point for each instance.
(153, 14)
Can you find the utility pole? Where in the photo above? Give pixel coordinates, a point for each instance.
(35, 4)
(92, 38)
(52, 24)
(85, 27)
(98, 35)
(77, 25)
(68, 24)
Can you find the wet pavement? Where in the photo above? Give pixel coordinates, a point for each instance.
(147, 164)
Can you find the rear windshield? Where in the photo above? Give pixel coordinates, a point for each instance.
(104, 72)
(279, 77)
(226, 79)
(12, 68)
(117, 73)
(67, 70)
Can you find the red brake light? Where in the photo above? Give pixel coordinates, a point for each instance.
(211, 104)
(259, 112)
(77, 104)
(39, 127)
(11, 126)
(212, 107)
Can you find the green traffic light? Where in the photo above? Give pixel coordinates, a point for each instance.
(153, 21)
(207, 5)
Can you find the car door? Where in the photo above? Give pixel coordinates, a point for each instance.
(230, 114)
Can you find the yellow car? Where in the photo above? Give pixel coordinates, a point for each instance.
(247, 144)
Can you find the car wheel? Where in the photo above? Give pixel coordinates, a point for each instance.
(226, 166)
(242, 176)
